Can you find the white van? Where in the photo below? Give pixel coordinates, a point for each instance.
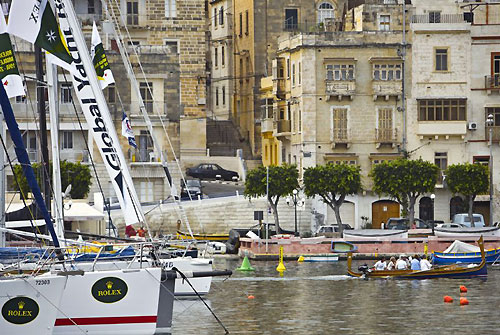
(463, 218)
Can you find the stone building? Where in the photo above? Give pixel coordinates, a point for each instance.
(167, 41)
(337, 99)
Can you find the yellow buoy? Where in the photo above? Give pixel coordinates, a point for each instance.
(281, 266)
(301, 259)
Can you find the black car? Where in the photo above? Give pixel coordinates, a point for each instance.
(404, 224)
(191, 187)
(211, 171)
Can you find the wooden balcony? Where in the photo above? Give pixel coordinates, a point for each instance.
(340, 89)
(282, 128)
(386, 89)
(266, 125)
(340, 136)
(279, 89)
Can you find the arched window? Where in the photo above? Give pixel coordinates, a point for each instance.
(325, 11)
(457, 205)
(426, 209)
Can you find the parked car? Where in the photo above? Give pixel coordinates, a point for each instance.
(211, 171)
(463, 218)
(330, 229)
(436, 223)
(404, 223)
(191, 187)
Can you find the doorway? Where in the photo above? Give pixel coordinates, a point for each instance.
(383, 210)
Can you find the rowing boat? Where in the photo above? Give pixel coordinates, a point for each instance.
(447, 271)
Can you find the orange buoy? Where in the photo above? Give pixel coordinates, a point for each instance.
(463, 289)
(251, 297)
(464, 301)
(448, 299)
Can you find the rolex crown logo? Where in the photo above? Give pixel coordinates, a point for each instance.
(109, 285)
(20, 304)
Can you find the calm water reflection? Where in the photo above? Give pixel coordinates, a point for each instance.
(315, 298)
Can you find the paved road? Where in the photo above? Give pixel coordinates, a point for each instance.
(215, 189)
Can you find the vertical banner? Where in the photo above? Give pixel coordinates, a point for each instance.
(9, 73)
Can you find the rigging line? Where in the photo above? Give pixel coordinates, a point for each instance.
(23, 196)
(108, 209)
(199, 296)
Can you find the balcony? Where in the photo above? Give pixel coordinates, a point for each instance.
(442, 129)
(386, 136)
(340, 136)
(282, 128)
(340, 89)
(386, 89)
(279, 89)
(440, 22)
(492, 83)
(266, 125)
(439, 18)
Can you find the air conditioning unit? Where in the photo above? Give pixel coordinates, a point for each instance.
(472, 126)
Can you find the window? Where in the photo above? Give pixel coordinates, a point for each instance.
(241, 24)
(223, 95)
(111, 93)
(291, 19)
(215, 17)
(434, 17)
(133, 12)
(145, 146)
(483, 160)
(216, 63)
(441, 109)
(300, 121)
(384, 130)
(221, 16)
(495, 111)
(441, 59)
(441, 160)
(216, 96)
(222, 56)
(170, 8)
(67, 140)
(248, 68)
(146, 95)
(288, 68)
(325, 12)
(339, 124)
(20, 99)
(267, 108)
(300, 73)
(293, 74)
(246, 22)
(386, 71)
(66, 93)
(495, 70)
(91, 7)
(384, 23)
(172, 46)
(241, 70)
(340, 72)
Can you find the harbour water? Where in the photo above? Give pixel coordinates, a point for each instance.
(318, 298)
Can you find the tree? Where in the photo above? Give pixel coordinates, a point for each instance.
(404, 181)
(282, 181)
(76, 174)
(468, 180)
(333, 183)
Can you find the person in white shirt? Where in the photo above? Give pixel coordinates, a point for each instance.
(425, 264)
(381, 264)
(392, 264)
(401, 264)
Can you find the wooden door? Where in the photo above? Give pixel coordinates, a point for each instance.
(383, 210)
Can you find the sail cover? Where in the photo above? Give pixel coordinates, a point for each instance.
(22, 157)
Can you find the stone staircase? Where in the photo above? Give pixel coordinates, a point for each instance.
(223, 139)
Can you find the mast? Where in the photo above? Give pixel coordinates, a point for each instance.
(2, 186)
(403, 88)
(40, 94)
(57, 212)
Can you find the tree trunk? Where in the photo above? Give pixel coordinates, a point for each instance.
(336, 209)
(411, 210)
(274, 207)
(471, 217)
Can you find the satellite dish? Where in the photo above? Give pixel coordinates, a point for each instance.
(67, 191)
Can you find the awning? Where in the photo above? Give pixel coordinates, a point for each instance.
(80, 211)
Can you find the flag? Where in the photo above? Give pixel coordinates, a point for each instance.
(34, 21)
(9, 73)
(127, 130)
(100, 60)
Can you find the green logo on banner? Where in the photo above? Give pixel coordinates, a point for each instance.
(20, 310)
(109, 290)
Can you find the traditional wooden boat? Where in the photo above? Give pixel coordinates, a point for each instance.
(447, 271)
(203, 237)
(343, 247)
(460, 252)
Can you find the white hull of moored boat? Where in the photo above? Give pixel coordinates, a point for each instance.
(29, 304)
(467, 232)
(110, 302)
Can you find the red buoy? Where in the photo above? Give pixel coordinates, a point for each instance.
(464, 301)
(448, 299)
(251, 297)
(463, 289)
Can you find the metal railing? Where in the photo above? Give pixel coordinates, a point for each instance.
(492, 81)
(441, 18)
(340, 135)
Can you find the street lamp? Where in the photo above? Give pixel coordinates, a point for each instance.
(294, 199)
(490, 123)
(433, 196)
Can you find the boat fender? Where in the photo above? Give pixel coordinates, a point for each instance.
(464, 301)
(463, 289)
(448, 299)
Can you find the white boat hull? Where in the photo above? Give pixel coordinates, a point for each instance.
(29, 305)
(372, 234)
(110, 302)
(332, 258)
(467, 232)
